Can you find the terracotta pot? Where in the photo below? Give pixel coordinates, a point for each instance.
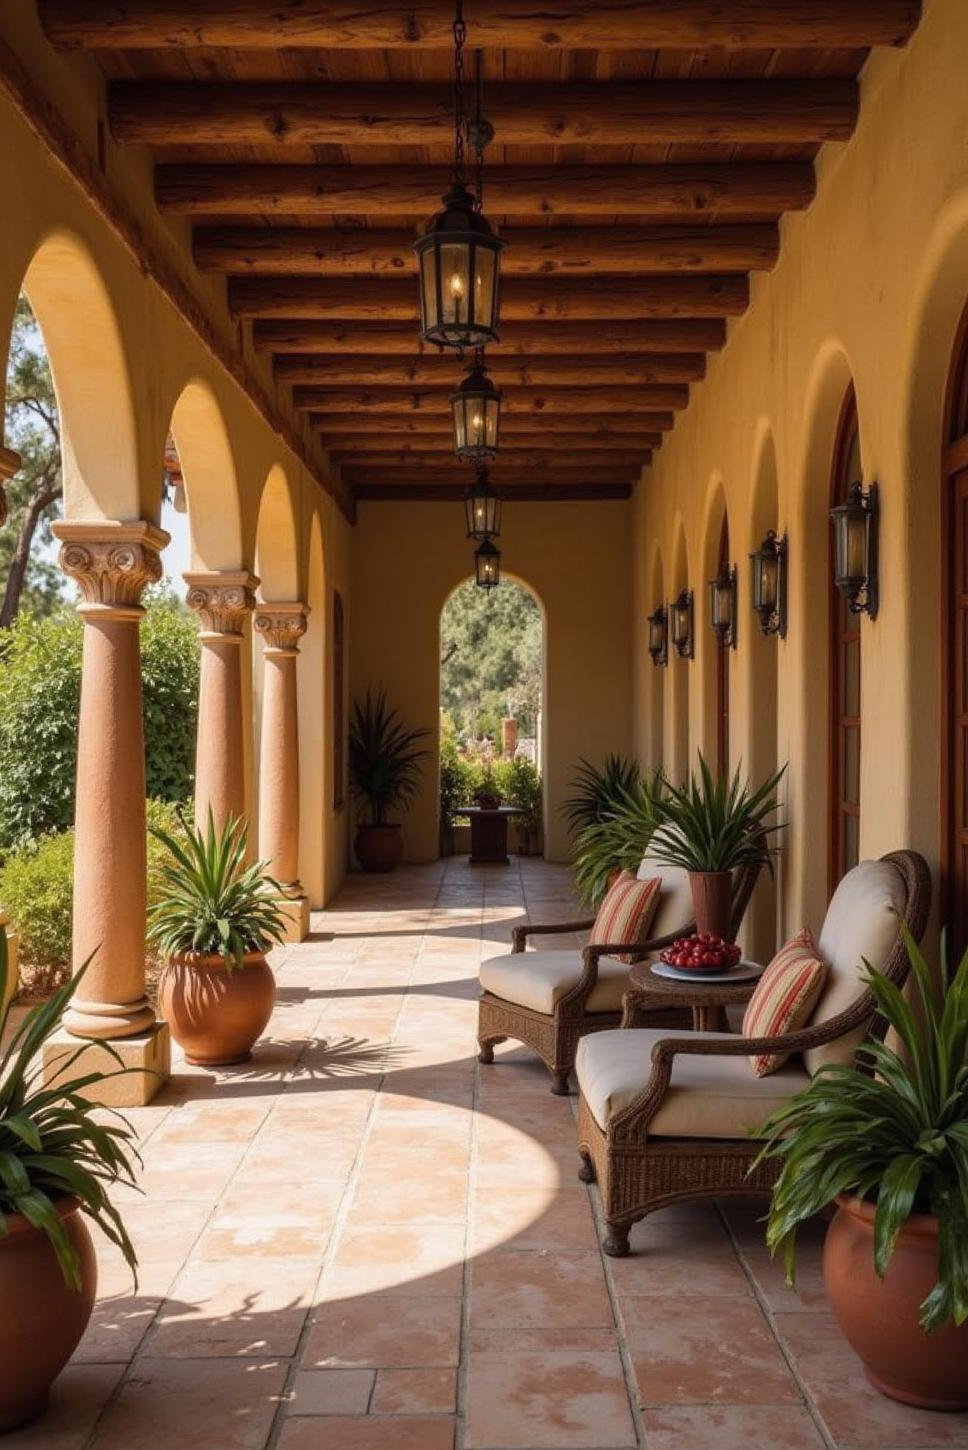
(378, 848)
(712, 901)
(216, 1014)
(880, 1317)
(41, 1319)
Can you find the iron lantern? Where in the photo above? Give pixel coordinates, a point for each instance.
(769, 583)
(482, 506)
(476, 410)
(855, 524)
(722, 605)
(659, 636)
(487, 565)
(681, 625)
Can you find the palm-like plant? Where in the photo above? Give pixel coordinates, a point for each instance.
(384, 758)
(718, 824)
(619, 839)
(897, 1133)
(214, 901)
(51, 1145)
(595, 791)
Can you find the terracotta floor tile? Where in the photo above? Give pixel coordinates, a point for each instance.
(381, 1197)
(415, 1392)
(384, 1333)
(331, 1392)
(530, 1401)
(391, 1259)
(78, 1396)
(222, 1308)
(685, 1352)
(539, 1288)
(211, 1123)
(367, 1433)
(293, 1221)
(729, 1427)
(668, 1262)
(169, 1404)
(529, 1218)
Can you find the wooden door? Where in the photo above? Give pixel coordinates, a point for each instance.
(845, 676)
(722, 667)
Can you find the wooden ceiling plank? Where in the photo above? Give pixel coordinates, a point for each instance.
(510, 460)
(516, 493)
(550, 440)
(532, 401)
(624, 369)
(518, 339)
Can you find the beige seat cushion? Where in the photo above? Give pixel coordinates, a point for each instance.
(539, 980)
(861, 922)
(675, 909)
(709, 1097)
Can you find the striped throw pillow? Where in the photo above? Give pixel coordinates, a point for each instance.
(785, 997)
(626, 913)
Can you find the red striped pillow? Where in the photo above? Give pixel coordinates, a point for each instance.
(626, 913)
(785, 997)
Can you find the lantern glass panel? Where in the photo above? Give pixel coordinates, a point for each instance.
(455, 259)
(487, 562)
(766, 576)
(428, 290)
(721, 603)
(483, 511)
(485, 280)
(850, 539)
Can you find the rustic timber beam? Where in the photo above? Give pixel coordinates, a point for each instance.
(517, 493)
(342, 446)
(748, 189)
(588, 426)
(510, 459)
(518, 339)
(516, 400)
(567, 251)
(523, 299)
(626, 370)
(508, 478)
(504, 24)
(770, 112)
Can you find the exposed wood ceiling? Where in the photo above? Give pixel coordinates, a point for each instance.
(644, 155)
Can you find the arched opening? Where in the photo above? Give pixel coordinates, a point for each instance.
(712, 650)
(209, 489)
(761, 743)
(657, 678)
(492, 688)
(313, 726)
(844, 671)
(677, 705)
(954, 563)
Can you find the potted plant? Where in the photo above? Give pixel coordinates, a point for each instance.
(520, 785)
(618, 839)
(217, 917)
(887, 1141)
(57, 1160)
(595, 792)
(712, 827)
(384, 763)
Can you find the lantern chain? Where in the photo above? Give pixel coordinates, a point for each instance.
(460, 36)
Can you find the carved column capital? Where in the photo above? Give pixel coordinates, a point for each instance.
(112, 563)
(281, 626)
(221, 600)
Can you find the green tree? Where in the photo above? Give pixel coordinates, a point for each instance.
(491, 648)
(32, 427)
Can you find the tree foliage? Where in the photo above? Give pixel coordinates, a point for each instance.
(491, 648)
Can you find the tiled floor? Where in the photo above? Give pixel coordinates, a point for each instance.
(364, 1241)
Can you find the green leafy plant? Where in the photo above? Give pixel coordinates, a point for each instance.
(459, 779)
(519, 783)
(595, 791)
(718, 824)
(619, 839)
(897, 1136)
(52, 1145)
(215, 902)
(384, 758)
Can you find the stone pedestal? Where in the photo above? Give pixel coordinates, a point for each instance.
(145, 1056)
(221, 602)
(281, 626)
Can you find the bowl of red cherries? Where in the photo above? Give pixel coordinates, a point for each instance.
(701, 952)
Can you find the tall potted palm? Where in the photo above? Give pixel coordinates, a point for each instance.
(217, 916)
(384, 761)
(711, 827)
(619, 838)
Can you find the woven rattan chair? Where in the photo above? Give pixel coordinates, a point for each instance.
(662, 1119)
(550, 999)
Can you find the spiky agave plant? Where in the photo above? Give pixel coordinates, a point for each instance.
(384, 757)
(596, 791)
(51, 1145)
(718, 824)
(213, 900)
(896, 1135)
(619, 839)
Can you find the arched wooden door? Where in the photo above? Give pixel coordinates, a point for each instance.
(954, 544)
(722, 665)
(844, 850)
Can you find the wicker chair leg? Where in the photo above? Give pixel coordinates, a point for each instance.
(587, 1170)
(559, 1084)
(616, 1242)
(487, 1046)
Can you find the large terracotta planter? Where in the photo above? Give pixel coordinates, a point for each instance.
(378, 848)
(216, 1014)
(880, 1317)
(42, 1320)
(712, 901)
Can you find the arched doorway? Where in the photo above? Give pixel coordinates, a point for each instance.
(954, 544)
(844, 672)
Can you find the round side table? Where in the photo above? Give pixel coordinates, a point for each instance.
(707, 1000)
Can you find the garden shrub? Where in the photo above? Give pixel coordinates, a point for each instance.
(519, 784)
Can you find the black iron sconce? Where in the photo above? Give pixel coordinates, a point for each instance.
(682, 625)
(723, 615)
(659, 636)
(769, 583)
(855, 524)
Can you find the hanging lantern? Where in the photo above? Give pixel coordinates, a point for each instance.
(476, 409)
(855, 548)
(722, 605)
(659, 636)
(681, 625)
(769, 584)
(487, 565)
(482, 506)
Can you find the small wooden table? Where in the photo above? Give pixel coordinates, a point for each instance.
(708, 1000)
(489, 833)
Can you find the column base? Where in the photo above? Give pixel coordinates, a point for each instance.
(13, 963)
(295, 909)
(147, 1055)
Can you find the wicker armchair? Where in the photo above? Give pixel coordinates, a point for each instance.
(550, 999)
(662, 1119)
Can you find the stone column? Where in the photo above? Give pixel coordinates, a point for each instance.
(112, 563)
(281, 626)
(221, 602)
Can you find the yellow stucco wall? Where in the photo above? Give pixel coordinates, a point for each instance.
(870, 285)
(574, 556)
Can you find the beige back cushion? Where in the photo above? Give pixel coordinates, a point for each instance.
(861, 923)
(675, 909)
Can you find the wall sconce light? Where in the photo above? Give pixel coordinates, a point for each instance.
(659, 636)
(681, 625)
(769, 583)
(855, 524)
(722, 605)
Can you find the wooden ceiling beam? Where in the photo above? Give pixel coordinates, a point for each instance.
(510, 459)
(517, 400)
(682, 192)
(508, 478)
(550, 440)
(503, 24)
(767, 112)
(587, 427)
(624, 370)
(566, 251)
(518, 339)
(517, 493)
(523, 299)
